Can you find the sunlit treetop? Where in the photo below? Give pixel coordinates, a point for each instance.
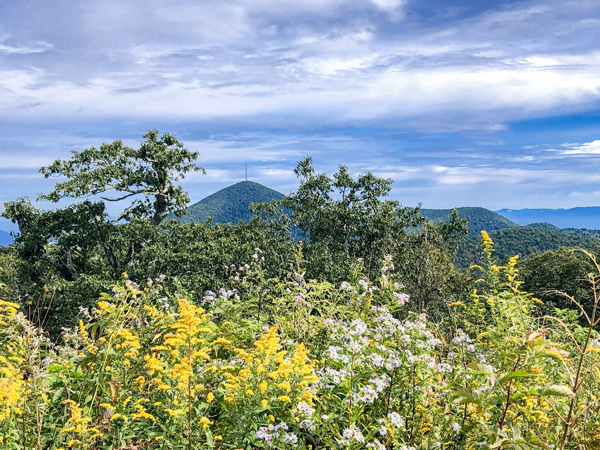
(146, 175)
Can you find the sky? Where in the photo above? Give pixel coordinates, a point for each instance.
(461, 102)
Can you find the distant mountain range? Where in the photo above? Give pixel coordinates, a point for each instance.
(580, 217)
(478, 218)
(547, 229)
(230, 205)
(509, 237)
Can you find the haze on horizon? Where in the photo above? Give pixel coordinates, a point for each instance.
(460, 102)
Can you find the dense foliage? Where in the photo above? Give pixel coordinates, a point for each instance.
(66, 257)
(523, 241)
(313, 365)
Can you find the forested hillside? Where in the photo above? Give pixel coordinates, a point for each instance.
(478, 218)
(522, 241)
(229, 205)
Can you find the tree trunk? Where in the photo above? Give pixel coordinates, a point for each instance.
(108, 250)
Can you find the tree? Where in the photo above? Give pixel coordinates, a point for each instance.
(58, 242)
(77, 251)
(342, 219)
(425, 264)
(148, 172)
(547, 275)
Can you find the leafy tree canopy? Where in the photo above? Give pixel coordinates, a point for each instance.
(146, 174)
(343, 218)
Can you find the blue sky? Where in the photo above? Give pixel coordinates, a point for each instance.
(460, 102)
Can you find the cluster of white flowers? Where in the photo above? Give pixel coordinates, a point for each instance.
(238, 271)
(85, 312)
(336, 376)
(461, 337)
(364, 284)
(401, 299)
(164, 303)
(358, 327)
(351, 434)
(272, 433)
(370, 392)
(217, 300)
(347, 287)
(305, 410)
(396, 419)
(376, 445)
(388, 263)
(444, 367)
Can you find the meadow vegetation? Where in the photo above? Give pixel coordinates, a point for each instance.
(151, 334)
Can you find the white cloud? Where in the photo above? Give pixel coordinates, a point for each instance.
(311, 65)
(393, 7)
(470, 94)
(19, 161)
(588, 148)
(332, 66)
(35, 47)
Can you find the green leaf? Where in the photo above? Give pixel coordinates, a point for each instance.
(481, 369)
(558, 391)
(466, 396)
(209, 439)
(517, 374)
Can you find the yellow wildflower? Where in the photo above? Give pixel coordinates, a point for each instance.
(263, 387)
(205, 422)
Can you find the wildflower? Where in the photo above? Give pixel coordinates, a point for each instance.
(401, 299)
(263, 386)
(82, 331)
(396, 419)
(205, 422)
(11, 386)
(351, 434)
(376, 445)
(289, 438)
(175, 412)
(285, 385)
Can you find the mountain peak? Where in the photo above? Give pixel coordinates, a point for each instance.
(230, 204)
